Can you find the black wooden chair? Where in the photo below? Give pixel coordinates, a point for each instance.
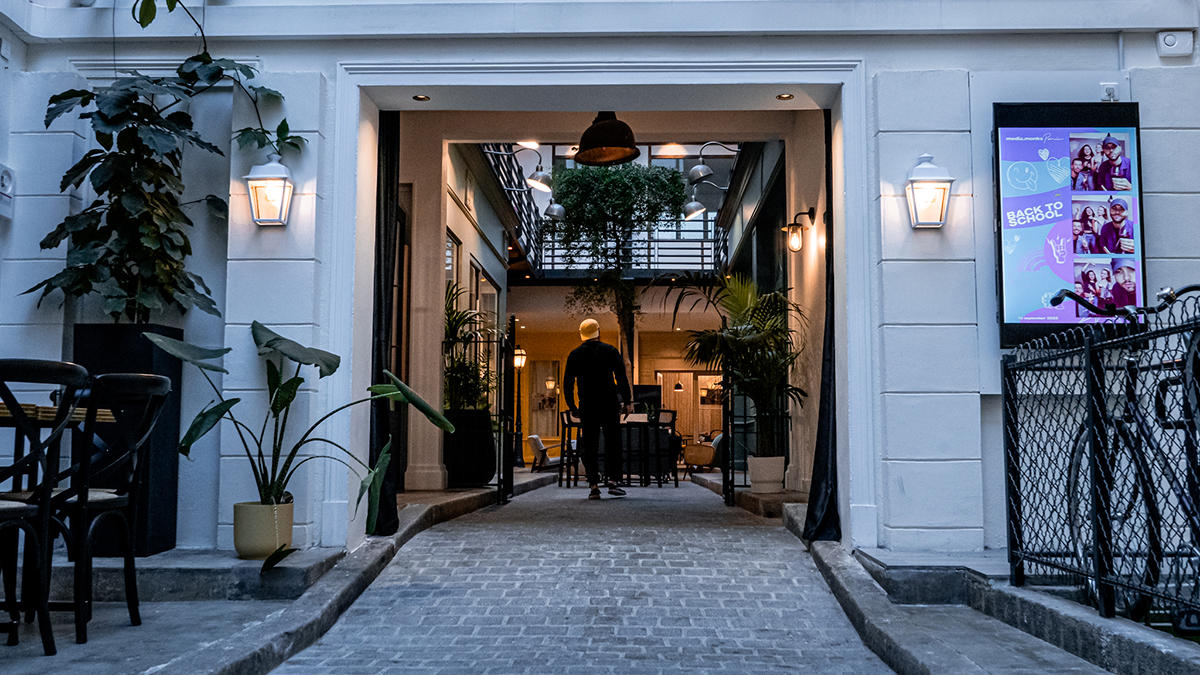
(122, 410)
(27, 505)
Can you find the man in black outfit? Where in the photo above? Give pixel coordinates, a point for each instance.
(603, 395)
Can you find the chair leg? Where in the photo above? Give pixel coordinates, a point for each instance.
(8, 569)
(38, 593)
(82, 589)
(131, 592)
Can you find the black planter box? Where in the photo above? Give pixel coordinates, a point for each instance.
(120, 348)
(469, 453)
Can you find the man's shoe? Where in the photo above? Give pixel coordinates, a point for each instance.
(615, 491)
(594, 494)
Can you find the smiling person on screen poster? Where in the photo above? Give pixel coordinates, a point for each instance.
(1114, 173)
(1124, 290)
(1116, 236)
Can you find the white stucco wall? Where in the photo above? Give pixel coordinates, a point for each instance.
(920, 465)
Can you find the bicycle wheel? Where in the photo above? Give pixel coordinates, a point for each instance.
(1133, 516)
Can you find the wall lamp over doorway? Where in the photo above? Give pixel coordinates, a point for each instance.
(795, 229)
(269, 187)
(928, 190)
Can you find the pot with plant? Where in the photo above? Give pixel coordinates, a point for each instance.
(264, 528)
(756, 349)
(469, 454)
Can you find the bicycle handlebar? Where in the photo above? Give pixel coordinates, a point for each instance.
(1167, 297)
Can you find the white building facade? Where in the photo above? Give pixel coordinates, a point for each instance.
(920, 457)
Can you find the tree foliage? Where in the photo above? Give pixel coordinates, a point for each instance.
(608, 210)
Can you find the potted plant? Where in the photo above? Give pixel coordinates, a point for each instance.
(470, 453)
(265, 527)
(129, 246)
(756, 349)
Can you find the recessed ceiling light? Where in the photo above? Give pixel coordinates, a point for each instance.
(532, 145)
(421, 97)
(785, 97)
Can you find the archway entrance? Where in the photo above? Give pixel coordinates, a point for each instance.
(431, 133)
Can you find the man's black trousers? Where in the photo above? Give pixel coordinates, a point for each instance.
(591, 422)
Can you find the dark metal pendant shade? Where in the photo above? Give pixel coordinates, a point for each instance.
(607, 142)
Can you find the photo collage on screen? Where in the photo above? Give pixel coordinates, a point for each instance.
(1104, 220)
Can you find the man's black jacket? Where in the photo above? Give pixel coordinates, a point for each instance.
(600, 372)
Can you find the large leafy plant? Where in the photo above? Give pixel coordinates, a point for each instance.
(754, 345)
(609, 209)
(468, 377)
(272, 454)
(130, 243)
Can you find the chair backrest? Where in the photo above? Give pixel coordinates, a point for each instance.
(117, 448)
(68, 379)
(699, 455)
(538, 448)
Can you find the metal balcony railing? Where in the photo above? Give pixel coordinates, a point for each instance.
(674, 245)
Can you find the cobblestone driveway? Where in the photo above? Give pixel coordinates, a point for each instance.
(666, 579)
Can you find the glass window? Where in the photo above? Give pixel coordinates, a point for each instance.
(452, 247)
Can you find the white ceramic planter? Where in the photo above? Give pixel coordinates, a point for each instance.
(766, 474)
(260, 529)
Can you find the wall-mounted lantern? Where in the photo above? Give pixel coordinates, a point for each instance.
(928, 190)
(270, 189)
(795, 229)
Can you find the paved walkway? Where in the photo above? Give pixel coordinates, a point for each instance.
(667, 579)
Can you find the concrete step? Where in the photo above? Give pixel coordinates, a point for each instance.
(993, 646)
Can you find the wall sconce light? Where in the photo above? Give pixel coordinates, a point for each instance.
(550, 383)
(928, 190)
(795, 230)
(608, 142)
(519, 358)
(697, 176)
(539, 180)
(270, 188)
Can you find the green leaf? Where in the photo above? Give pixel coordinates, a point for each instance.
(285, 395)
(85, 220)
(269, 341)
(63, 102)
(204, 423)
(277, 557)
(250, 135)
(87, 255)
(372, 483)
(273, 379)
(197, 356)
(145, 16)
(282, 132)
(171, 5)
(158, 140)
(217, 208)
(114, 101)
(77, 173)
(266, 91)
(419, 403)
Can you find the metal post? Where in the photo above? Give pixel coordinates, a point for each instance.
(1012, 465)
(1101, 478)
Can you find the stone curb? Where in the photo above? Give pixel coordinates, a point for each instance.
(262, 647)
(884, 629)
(1117, 645)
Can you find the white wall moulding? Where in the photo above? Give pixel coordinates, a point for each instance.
(483, 19)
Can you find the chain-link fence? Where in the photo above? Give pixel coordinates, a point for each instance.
(1101, 450)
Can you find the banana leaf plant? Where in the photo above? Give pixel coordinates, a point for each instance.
(272, 459)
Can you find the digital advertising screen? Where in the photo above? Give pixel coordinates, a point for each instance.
(1070, 213)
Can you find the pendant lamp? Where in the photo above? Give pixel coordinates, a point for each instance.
(608, 142)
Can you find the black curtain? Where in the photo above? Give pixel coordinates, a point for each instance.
(386, 424)
(823, 522)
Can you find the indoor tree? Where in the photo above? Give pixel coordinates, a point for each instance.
(610, 211)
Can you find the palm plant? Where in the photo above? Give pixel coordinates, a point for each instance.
(754, 346)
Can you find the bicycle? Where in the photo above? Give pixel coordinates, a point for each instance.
(1123, 476)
